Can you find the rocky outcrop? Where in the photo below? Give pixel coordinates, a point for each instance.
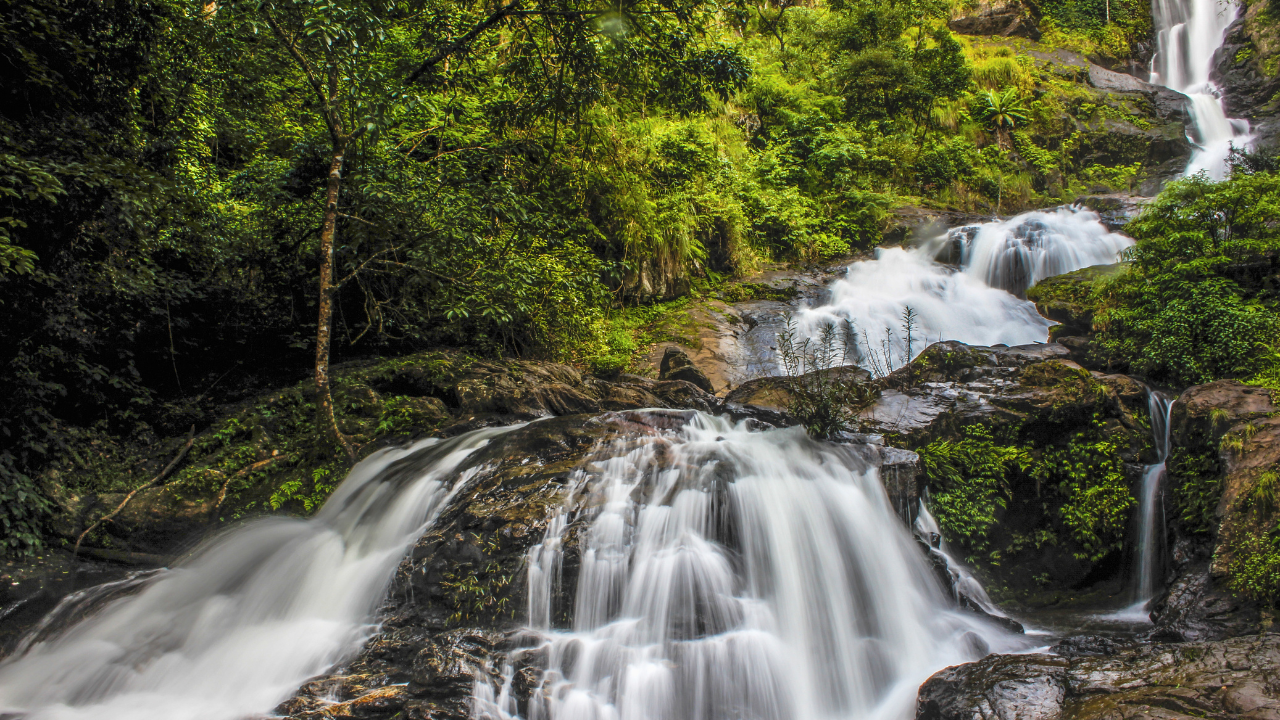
(676, 365)
(1245, 68)
(998, 17)
(1167, 104)
(1238, 426)
(951, 385)
(1234, 678)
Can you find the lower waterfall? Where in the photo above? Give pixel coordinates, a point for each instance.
(236, 629)
(727, 573)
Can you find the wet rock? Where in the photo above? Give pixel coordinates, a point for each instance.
(951, 385)
(998, 17)
(676, 365)
(1004, 687)
(1085, 645)
(1250, 87)
(1194, 607)
(1231, 678)
(1203, 414)
(1115, 209)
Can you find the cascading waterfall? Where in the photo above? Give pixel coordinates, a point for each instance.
(1188, 32)
(731, 574)
(966, 586)
(252, 615)
(980, 303)
(1150, 518)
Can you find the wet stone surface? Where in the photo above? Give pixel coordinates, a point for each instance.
(1236, 678)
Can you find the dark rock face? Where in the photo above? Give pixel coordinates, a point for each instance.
(1198, 604)
(999, 17)
(1232, 678)
(1195, 608)
(1250, 89)
(676, 365)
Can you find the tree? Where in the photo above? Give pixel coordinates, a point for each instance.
(357, 60)
(1003, 111)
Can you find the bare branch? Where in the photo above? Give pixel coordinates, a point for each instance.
(152, 482)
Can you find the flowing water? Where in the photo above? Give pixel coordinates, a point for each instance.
(980, 301)
(1188, 32)
(730, 574)
(239, 627)
(1148, 552)
(964, 585)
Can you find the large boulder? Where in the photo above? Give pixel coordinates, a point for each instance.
(998, 17)
(1232, 678)
(1168, 104)
(676, 365)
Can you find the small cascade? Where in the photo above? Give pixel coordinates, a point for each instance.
(980, 302)
(1150, 512)
(723, 573)
(253, 614)
(966, 589)
(1188, 33)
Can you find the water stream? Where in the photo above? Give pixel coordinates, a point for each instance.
(239, 626)
(1188, 32)
(977, 296)
(726, 573)
(1149, 550)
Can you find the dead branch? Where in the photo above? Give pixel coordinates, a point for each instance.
(222, 494)
(191, 438)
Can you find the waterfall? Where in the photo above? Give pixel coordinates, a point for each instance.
(1188, 32)
(254, 613)
(967, 589)
(980, 302)
(724, 573)
(1150, 515)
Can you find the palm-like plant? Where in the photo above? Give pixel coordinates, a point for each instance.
(1003, 111)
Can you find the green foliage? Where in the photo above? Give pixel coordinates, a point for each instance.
(1196, 482)
(1090, 476)
(970, 481)
(1192, 308)
(1002, 110)
(973, 479)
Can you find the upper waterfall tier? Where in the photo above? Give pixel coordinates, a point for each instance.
(1188, 33)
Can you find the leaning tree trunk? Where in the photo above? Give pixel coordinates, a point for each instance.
(324, 398)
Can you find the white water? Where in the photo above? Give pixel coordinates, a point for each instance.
(1188, 32)
(728, 574)
(928, 530)
(979, 303)
(252, 615)
(1150, 514)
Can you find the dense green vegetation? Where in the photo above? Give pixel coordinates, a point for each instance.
(1197, 300)
(202, 201)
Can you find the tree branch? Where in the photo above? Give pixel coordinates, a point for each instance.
(462, 42)
(153, 481)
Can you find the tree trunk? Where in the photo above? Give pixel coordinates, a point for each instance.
(324, 398)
